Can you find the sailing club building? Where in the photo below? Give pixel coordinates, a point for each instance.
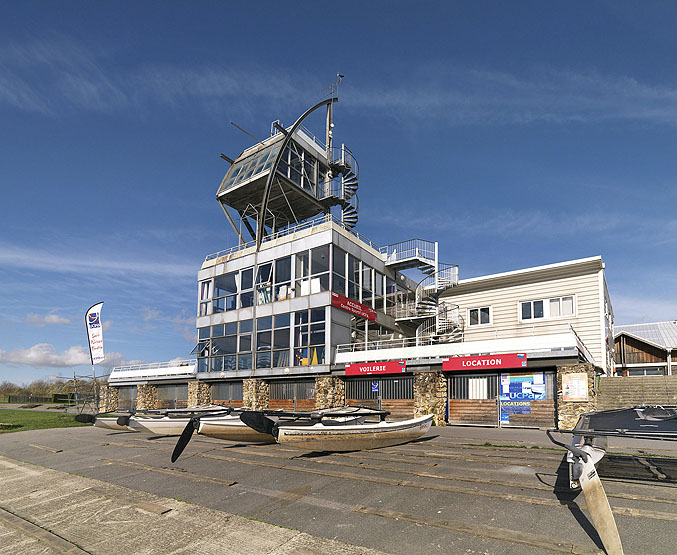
(305, 312)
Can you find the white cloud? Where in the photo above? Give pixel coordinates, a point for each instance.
(42, 320)
(629, 309)
(43, 355)
(55, 75)
(16, 256)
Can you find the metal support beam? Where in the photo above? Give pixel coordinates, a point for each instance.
(269, 181)
(232, 223)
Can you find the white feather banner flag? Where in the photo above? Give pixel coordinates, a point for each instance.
(95, 333)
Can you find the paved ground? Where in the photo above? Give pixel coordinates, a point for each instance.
(460, 490)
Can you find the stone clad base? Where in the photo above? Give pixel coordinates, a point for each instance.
(146, 398)
(430, 396)
(330, 391)
(569, 411)
(255, 394)
(199, 393)
(108, 398)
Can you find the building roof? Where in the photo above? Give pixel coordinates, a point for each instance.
(663, 334)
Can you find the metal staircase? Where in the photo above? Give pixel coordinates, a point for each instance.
(436, 320)
(343, 163)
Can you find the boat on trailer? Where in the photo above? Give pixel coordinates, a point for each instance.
(338, 429)
(588, 447)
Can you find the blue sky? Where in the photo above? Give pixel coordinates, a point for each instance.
(516, 134)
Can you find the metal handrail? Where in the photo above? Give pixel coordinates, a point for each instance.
(313, 222)
(156, 365)
(312, 136)
(413, 248)
(427, 340)
(344, 155)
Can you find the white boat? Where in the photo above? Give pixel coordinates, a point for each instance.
(352, 437)
(230, 427)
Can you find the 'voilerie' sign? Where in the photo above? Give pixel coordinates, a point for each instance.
(366, 368)
(486, 362)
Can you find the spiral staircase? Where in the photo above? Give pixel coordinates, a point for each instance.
(343, 164)
(436, 321)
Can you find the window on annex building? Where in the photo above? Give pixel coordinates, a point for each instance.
(554, 307)
(479, 316)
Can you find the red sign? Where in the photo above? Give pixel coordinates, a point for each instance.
(487, 362)
(353, 306)
(388, 367)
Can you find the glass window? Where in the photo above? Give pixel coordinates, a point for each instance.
(218, 331)
(478, 316)
(282, 320)
(263, 359)
(317, 315)
(302, 264)
(567, 306)
(339, 262)
(205, 290)
(265, 323)
(281, 339)
(246, 326)
(203, 365)
(246, 299)
(224, 345)
(230, 362)
(526, 311)
(301, 317)
(225, 284)
(263, 340)
(231, 328)
(353, 269)
(245, 343)
(283, 270)
(538, 309)
(319, 260)
(280, 358)
(217, 364)
(203, 333)
(244, 362)
(554, 307)
(247, 278)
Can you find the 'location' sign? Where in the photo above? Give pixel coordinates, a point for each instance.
(365, 368)
(487, 362)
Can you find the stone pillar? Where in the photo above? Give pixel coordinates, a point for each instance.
(199, 393)
(108, 398)
(569, 411)
(430, 395)
(255, 394)
(146, 398)
(330, 391)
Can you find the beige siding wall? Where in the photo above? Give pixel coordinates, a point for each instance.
(505, 308)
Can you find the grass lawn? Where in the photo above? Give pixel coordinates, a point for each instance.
(21, 420)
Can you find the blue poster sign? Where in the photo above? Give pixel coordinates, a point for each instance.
(517, 392)
(374, 387)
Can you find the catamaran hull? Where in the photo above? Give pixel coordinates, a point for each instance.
(111, 424)
(159, 426)
(319, 437)
(231, 428)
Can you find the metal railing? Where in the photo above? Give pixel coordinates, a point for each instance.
(524, 331)
(308, 224)
(413, 248)
(312, 136)
(343, 155)
(156, 365)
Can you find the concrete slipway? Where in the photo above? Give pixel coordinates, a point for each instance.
(460, 490)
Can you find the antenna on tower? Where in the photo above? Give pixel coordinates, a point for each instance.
(335, 84)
